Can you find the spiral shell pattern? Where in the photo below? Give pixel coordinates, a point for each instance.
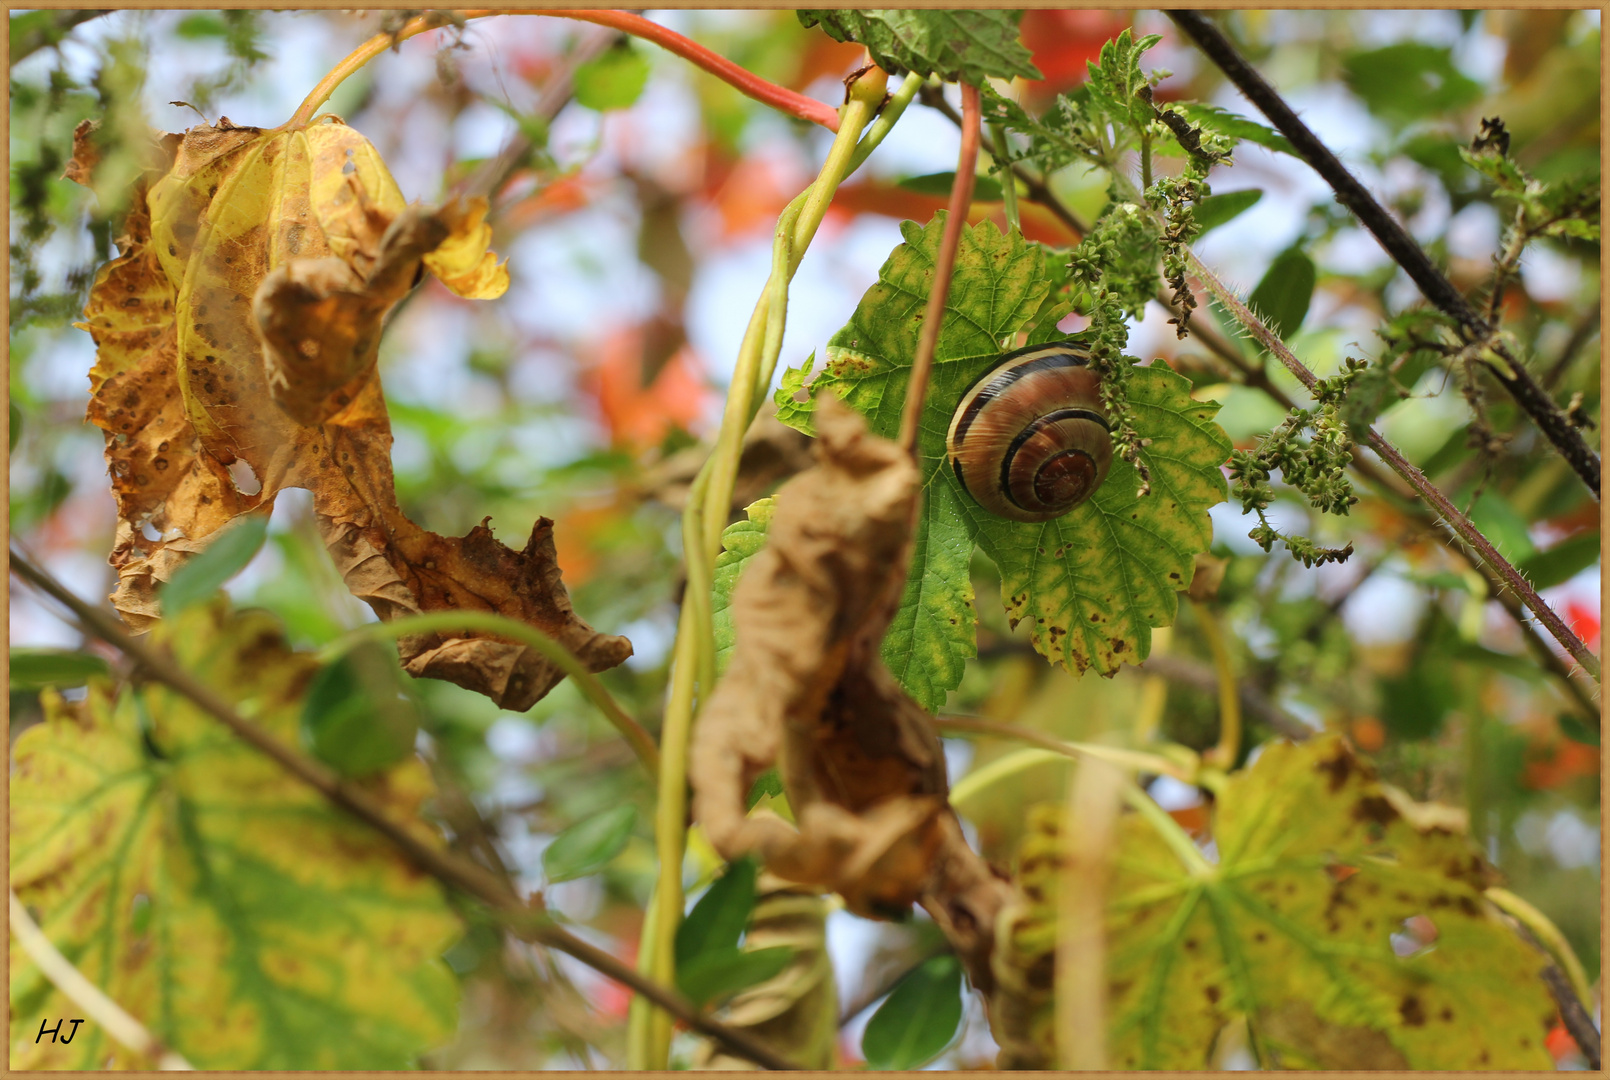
(1030, 440)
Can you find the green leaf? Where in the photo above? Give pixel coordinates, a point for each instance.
(240, 916)
(1347, 923)
(1215, 210)
(225, 555)
(712, 976)
(1109, 568)
(1574, 729)
(1562, 562)
(16, 425)
(918, 1020)
(1224, 122)
(614, 80)
(1403, 82)
(1287, 288)
(985, 188)
(1503, 525)
(357, 716)
(588, 846)
(200, 26)
(717, 921)
(767, 783)
(740, 541)
(35, 669)
(957, 45)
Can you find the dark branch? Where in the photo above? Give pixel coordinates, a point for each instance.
(1545, 412)
(55, 26)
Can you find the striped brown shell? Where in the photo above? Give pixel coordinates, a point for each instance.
(1030, 440)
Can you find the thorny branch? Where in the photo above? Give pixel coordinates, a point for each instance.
(1457, 523)
(1382, 482)
(529, 922)
(1476, 331)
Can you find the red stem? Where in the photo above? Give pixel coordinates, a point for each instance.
(961, 198)
(746, 82)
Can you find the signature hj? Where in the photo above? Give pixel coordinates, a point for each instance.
(43, 1031)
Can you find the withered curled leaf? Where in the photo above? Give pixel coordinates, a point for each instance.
(806, 689)
(236, 338)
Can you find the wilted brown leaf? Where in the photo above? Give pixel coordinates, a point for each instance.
(236, 339)
(864, 771)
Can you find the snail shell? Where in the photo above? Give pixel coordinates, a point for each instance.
(1030, 440)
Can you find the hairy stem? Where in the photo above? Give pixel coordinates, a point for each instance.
(641, 741)
(450, 869)
(1511, 374)
(1455, 521)
(746, 82)
(961, 198)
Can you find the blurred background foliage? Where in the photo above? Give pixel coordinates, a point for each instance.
(637, 213)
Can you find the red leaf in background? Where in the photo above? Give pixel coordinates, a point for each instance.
(1584, 620)
(640, 417)
(749, 194)
(1063, 42)
(825, 57)
(1567, 761)
(891, 200)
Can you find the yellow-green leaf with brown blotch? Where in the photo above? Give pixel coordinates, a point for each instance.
(237, 914)
(1347, 935)
(236, 339)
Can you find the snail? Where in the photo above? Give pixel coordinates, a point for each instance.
(1030, 440)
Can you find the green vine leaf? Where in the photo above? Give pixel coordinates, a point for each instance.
(236, 913)
(1094, 582)
(1352, 937)
(1111, 567)
(1345, 922)
(957, 45)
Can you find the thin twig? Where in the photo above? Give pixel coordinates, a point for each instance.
(524, 921)
(746, 82)
(111, 1016)
(961, 198)
(1545, 412)
(1452, 518)
(42, 36)
(1581, 334)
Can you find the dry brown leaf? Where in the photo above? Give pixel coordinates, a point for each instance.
(864, 771)
(236, 338)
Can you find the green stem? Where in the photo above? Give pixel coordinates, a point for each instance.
(1229, 748)
(1549, 936)
(1008, 179)
(704, 518)
(529, 636)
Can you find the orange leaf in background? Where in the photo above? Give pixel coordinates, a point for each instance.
(1063, 42)
(1567, 760)
(750, 196)
(637, 416)
(825, 57)
(1584, 621)
(894, 201)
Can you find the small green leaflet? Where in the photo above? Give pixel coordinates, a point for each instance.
(588, 845)
(956, 44)
(245, 920)
(1093, 583)
(357, 716)
(35, 669)
(225, 555)
(709, 963)
(614, 80)
(740, 541)
(1284, 293)
(1215, 210)
(919, 1019)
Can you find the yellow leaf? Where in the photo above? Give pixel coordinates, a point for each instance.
(236, 913)
(257, 272)
(463, 261)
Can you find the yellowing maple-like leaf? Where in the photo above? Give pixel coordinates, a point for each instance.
(1346, 925)
(246, 921)
(236, 339)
